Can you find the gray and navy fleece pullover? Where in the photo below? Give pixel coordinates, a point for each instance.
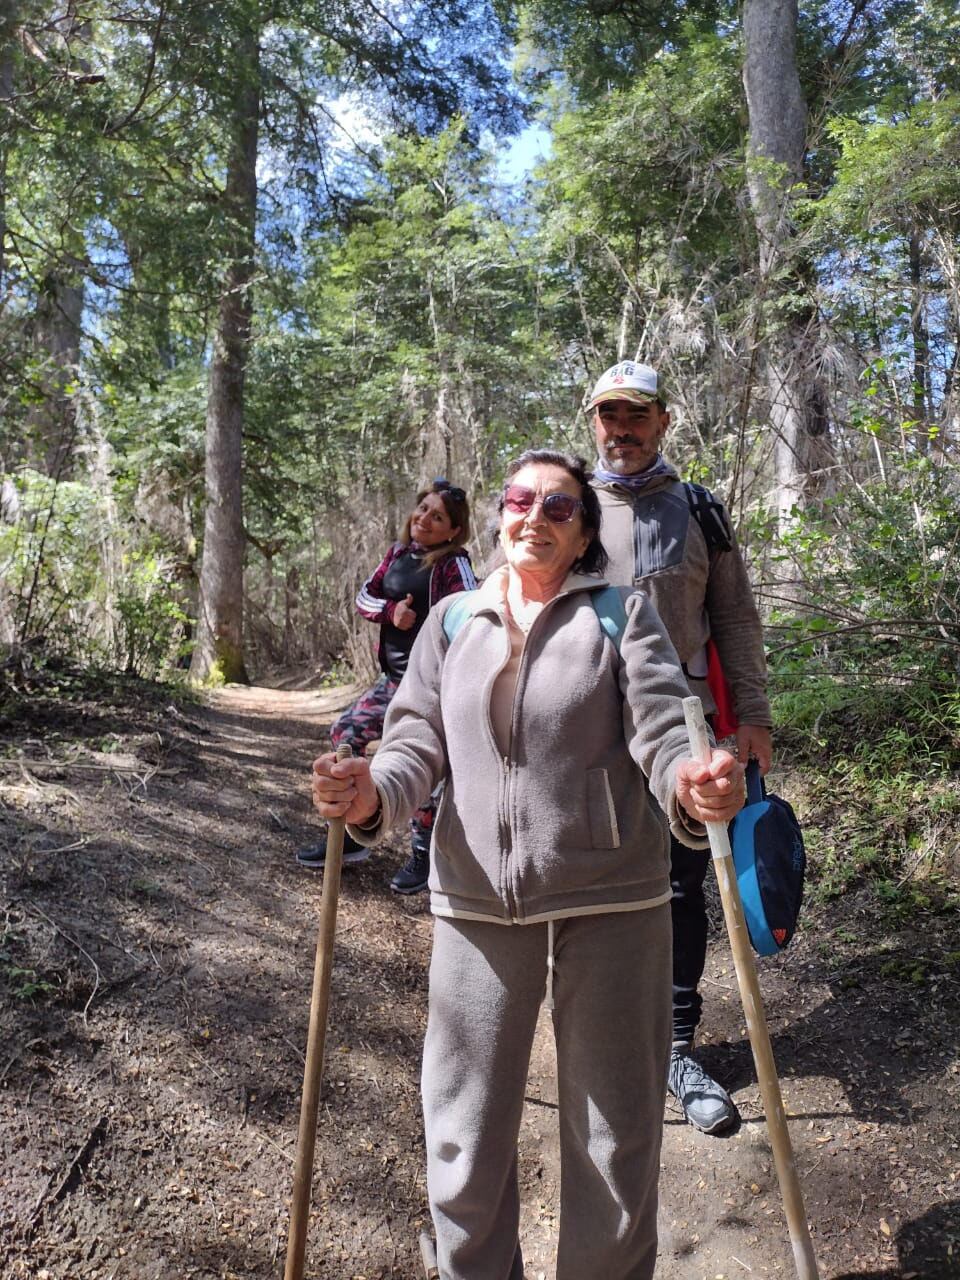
(656, 545)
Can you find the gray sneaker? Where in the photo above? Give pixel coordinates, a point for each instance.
(706, 1104)
(314, 857)
(414, 874)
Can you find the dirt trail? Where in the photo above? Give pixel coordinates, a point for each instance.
(155, 973)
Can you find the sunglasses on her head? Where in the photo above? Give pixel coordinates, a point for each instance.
(444, 486)
(559, 508)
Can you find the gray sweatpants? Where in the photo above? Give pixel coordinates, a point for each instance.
(612, 1024)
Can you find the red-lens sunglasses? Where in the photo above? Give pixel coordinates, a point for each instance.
(558, 508)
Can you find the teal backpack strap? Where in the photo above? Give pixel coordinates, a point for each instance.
(609, 608)
(607, 603)
(462, 608)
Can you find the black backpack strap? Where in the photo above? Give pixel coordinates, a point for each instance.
(710, 516)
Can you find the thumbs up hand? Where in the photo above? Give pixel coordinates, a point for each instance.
(403, 616)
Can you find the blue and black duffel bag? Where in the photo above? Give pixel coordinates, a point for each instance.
(770, 860)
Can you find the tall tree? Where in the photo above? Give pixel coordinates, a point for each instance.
(641, 221)
(416, 80)
(7, 36)
(56, 331)
(139, 213)
(776, 146)
(54, 76)
(219, 640)
(890, 222)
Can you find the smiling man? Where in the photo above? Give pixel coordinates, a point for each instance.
(674, 541)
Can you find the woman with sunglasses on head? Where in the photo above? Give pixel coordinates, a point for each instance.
(428, 562)
(553, 717)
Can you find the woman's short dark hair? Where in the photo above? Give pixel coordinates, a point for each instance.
(595, 558)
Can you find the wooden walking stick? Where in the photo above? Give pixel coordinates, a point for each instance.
(803, 1254)
(313, 1066)
(428, 1256)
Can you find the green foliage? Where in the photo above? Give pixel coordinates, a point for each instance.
(217, 676)
(412, 316)
(888, 834)
(85, 586)
(24, 982)
(893, 173)
(425, 300)
(144, 887)
(881, 584)
(600, 46)
(880, 762)
(865, 682)
(642, 228)
(152, 621)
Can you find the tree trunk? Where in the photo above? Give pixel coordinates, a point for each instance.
(6, 133)
(947, 414)
(921, 343)
(775, 151)
(626, 316)
(51, 425)
(218, 654)
(292, 640)
(438, 451)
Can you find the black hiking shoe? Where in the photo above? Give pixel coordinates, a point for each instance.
(413, 875)
(315, 855)
(706, 1104)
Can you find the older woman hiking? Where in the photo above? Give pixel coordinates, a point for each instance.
(428, 562)
(550, 872)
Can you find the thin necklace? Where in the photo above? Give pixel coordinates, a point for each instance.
(523, 625)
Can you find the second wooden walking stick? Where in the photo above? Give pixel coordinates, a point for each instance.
(316, 1033)
(803, 1255)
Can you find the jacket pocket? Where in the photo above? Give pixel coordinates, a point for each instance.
(604, 832)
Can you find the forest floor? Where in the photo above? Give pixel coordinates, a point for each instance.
(156, 961)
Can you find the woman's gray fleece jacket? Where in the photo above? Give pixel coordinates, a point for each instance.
(564, 824)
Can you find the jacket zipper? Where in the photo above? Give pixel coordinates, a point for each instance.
(506, 838)
(508, 771)
(506, 827)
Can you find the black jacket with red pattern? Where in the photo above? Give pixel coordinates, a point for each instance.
(448, 575)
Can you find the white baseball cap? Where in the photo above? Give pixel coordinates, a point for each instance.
(627, 380)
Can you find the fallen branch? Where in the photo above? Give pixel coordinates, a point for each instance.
(64, 848)
(94, 1137)
(33, 910)
(24, 762)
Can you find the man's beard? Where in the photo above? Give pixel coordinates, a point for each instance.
(623, 466)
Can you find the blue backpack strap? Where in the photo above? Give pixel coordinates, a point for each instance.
(609, 608)
(458, 612)
(607, 603)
